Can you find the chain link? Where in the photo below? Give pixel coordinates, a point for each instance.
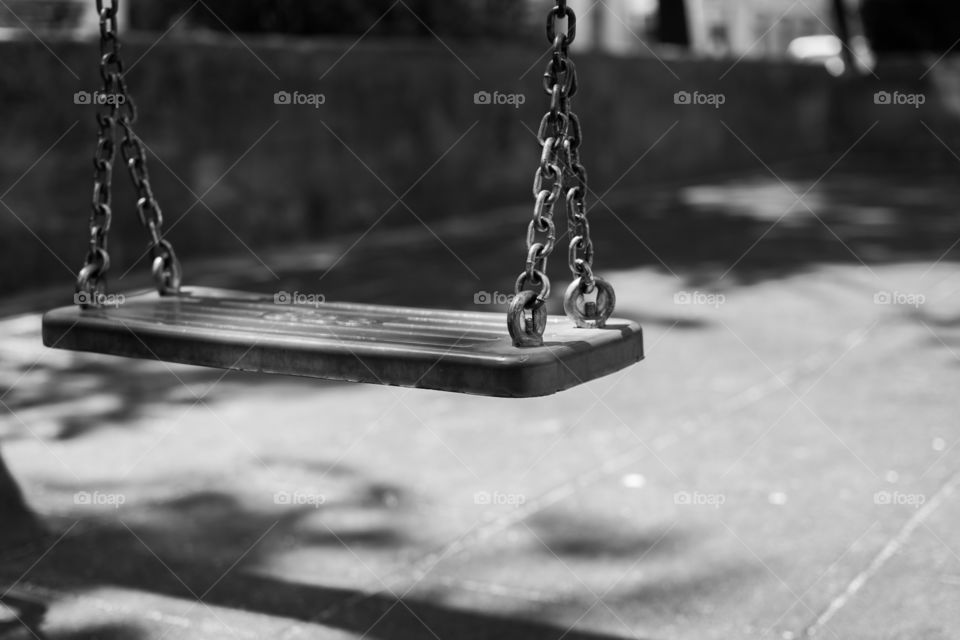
(561, 174)
(115, 108)
(581, 253)
(91, 280)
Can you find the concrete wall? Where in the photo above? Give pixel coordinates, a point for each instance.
(396, 108)
(911, 108)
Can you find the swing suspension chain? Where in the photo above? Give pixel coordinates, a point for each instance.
(117, 109)
(91, 281)
(560, 137)
(580, 254)
(548, 182)
(560, 83)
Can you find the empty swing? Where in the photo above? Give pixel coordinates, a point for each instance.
(465, 352)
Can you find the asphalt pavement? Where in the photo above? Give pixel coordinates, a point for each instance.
(784, 464)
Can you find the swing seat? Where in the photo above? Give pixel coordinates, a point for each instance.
(465, 352)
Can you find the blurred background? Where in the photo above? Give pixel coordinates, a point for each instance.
(399, 81)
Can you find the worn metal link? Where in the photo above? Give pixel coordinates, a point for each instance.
(589, 301)
(561, 174)
(165, 267)
(115, 108)
(91, 279)
(547, 190)
(559, 12)
(578, 226)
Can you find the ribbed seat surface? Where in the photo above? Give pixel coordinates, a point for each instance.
(424, 348)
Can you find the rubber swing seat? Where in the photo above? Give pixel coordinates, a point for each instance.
(464, 352)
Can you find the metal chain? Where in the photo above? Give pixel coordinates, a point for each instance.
(117, 108)
(562, 72)
(560, 137)
(589, 301)
(91, 280)
(581, 253)
(166, 267)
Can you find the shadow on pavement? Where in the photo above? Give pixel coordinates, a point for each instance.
(189, 549)
(713, 236)
(719, 236)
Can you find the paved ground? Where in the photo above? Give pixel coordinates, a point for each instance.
(784, 463)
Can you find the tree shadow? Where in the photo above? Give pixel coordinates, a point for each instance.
(587, 535)
(27, 618)
(733, 232)
(722, 235)
(211, 546)
(100, 632)
(700, 234)
(77, 393)
(18, 613)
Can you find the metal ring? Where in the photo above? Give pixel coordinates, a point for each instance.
(578, 171)
(543, 208)
(538, 253)
(155, 237)
(539, 277)
(556, 14)
(574, 200)
(575, 131)
(556, 67)
(573, 84)
(128, 111)
(589, 315)
(89, 292)
(580, 243)
(166, 269)
(556, 100)
(99, 259)
(101, 212)
(582, 269)
(167, 277)
(538, 179)
(523, 331)
(90, 278)
(560, 66)
(129, 151)
(106, 121)
(112, 6)
(550, 231)
(548, 169)
(547, 120)
(88, 272)
(111, 76)
(101, 193)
